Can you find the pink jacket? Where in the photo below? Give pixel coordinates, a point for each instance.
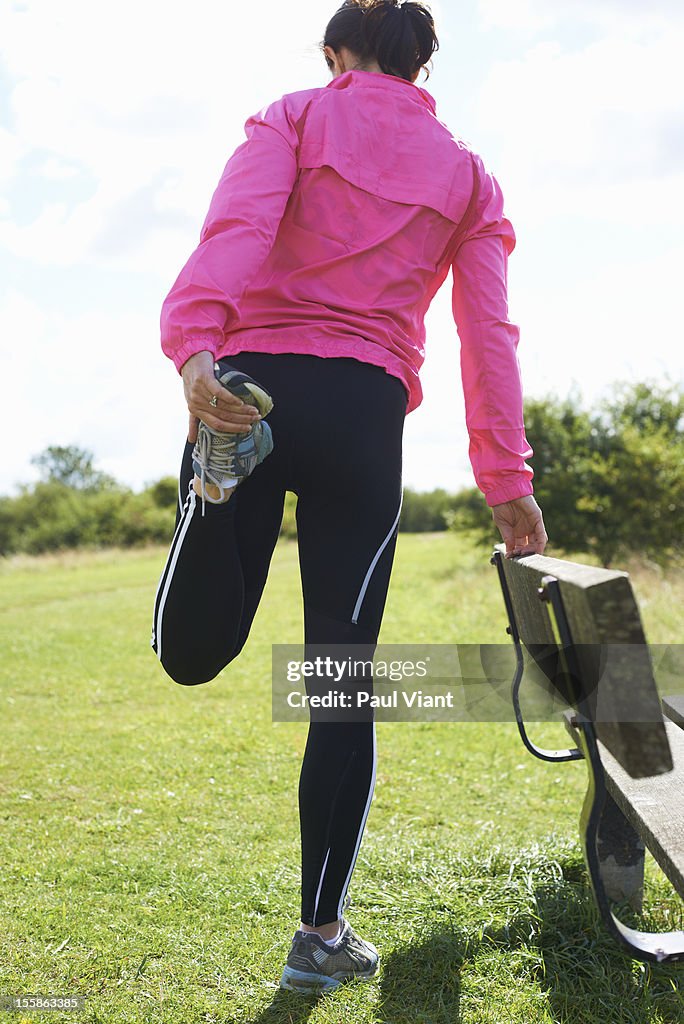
(331, 230)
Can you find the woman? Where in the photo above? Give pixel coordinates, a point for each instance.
(330, 231)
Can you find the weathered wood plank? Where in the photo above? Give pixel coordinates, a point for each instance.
(614, 662)
(653, 806)
(571, 572)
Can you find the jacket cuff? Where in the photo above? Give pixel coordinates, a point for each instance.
(191, 346)
(509, 492)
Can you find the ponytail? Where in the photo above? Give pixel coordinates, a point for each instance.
(399, 36)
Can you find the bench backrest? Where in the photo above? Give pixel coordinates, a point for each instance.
(603, 633)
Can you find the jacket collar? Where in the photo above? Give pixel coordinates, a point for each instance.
(377, 80)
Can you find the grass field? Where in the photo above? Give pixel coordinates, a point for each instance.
(150, 841)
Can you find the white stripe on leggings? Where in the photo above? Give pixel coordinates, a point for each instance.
(176, 545)
(361, 827)
(320, 885)
(162, 578)
(364, 585)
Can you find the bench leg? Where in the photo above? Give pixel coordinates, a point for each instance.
(621, 856)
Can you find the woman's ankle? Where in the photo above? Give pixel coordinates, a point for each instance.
(326, 931)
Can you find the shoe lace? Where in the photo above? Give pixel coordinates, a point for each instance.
(215, 453)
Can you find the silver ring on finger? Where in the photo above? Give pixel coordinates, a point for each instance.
(213, 401)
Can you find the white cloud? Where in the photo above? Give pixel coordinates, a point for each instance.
(435, 435)
(12, 149)
(525, 15)
(531, 16)
(95, 380)
(607, 323)
(133, 108)
(54, 169)
(560, 108)
(593, 184)
(590, 133)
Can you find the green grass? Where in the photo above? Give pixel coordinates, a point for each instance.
(149, 838)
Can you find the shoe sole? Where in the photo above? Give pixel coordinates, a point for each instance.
(255, 395)
(304, 981)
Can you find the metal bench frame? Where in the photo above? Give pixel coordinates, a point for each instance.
(660, 947)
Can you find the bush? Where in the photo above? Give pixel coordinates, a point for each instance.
(164, 493)
(426, 511)
(53, 516)
(609, 483)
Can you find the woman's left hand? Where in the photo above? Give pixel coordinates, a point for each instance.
(211, 402)
(521, 526)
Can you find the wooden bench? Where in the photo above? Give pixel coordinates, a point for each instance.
(577, 629)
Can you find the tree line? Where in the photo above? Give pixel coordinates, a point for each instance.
(610, 483)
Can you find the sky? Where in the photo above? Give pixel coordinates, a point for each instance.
(116, 121)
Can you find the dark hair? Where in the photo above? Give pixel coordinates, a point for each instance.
(399, 36)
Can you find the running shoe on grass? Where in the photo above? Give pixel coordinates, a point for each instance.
(314, 966)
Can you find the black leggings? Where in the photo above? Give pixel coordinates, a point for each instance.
(337, 428)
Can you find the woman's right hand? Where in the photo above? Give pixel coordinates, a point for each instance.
(521, 525)
(230, 415)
